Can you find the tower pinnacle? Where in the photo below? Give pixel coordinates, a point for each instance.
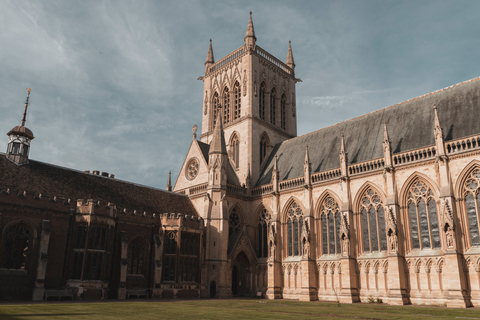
(250, 38)
(290, 61)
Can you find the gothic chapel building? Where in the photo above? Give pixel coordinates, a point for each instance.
(385, 205)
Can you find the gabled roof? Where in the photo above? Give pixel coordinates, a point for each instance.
(50, 180)
(231, 175)
(410, 126)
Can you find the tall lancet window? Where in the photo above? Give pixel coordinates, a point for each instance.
(283, 108)
(261, 101)
(373, 223)
(422, 213)
(273, 106)
(235, 149)
(294, 223)
(226, 106)
(263, 221)
(330, 226)
(472, 203)
(216, 105)
(238, 101)
(263, 147)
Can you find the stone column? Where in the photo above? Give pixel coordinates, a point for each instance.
(122, 289)
(39, 289)
(274, 266)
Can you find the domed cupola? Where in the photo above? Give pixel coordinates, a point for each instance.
(19, 139)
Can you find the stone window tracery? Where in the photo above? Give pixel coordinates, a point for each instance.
(472, 205)
(283, 107)
(238, 101)
(422, 213)
(294, 222)
(372, 218)
(192, 169)
(330, 226)
(226, 106)
(261, 101)
(263, 222)
(16, 247)
(273, 106)
(233, 222)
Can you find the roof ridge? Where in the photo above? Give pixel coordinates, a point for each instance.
(100, 176)
(385, 108)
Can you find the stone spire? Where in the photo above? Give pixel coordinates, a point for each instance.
(210, 59)
(438, 133)
(343, 158)
(290, 61)
(387, 153)
(250, 38)
(169, 183)
(217, 145)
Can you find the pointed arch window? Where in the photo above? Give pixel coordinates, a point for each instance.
(17, 241)
(273, 106)
(226, 106)
(294, 230)
(261, 101)
(263, 222)
(472, 204)
(422, 213)
(237, 92)
(216, 105)
(235, 147)
(283, 108)
(263, 147)
(136, 257)
(330, 226)
(372, 218)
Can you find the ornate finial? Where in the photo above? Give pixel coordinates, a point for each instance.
(194, 130)
(26, 106)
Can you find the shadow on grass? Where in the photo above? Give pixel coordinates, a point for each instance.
(21, 315)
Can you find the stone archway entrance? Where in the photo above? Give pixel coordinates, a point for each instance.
(241, 276)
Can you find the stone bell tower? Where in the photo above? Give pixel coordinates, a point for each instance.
(19, 139)
(255, 93)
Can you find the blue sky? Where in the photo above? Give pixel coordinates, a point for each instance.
(129, 110)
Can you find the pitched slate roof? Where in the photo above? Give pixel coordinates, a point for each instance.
(410, 126)
(51, 180)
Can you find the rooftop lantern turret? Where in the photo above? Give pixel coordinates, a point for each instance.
(19, 139)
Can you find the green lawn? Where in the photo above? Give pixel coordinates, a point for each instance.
(226, 309)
